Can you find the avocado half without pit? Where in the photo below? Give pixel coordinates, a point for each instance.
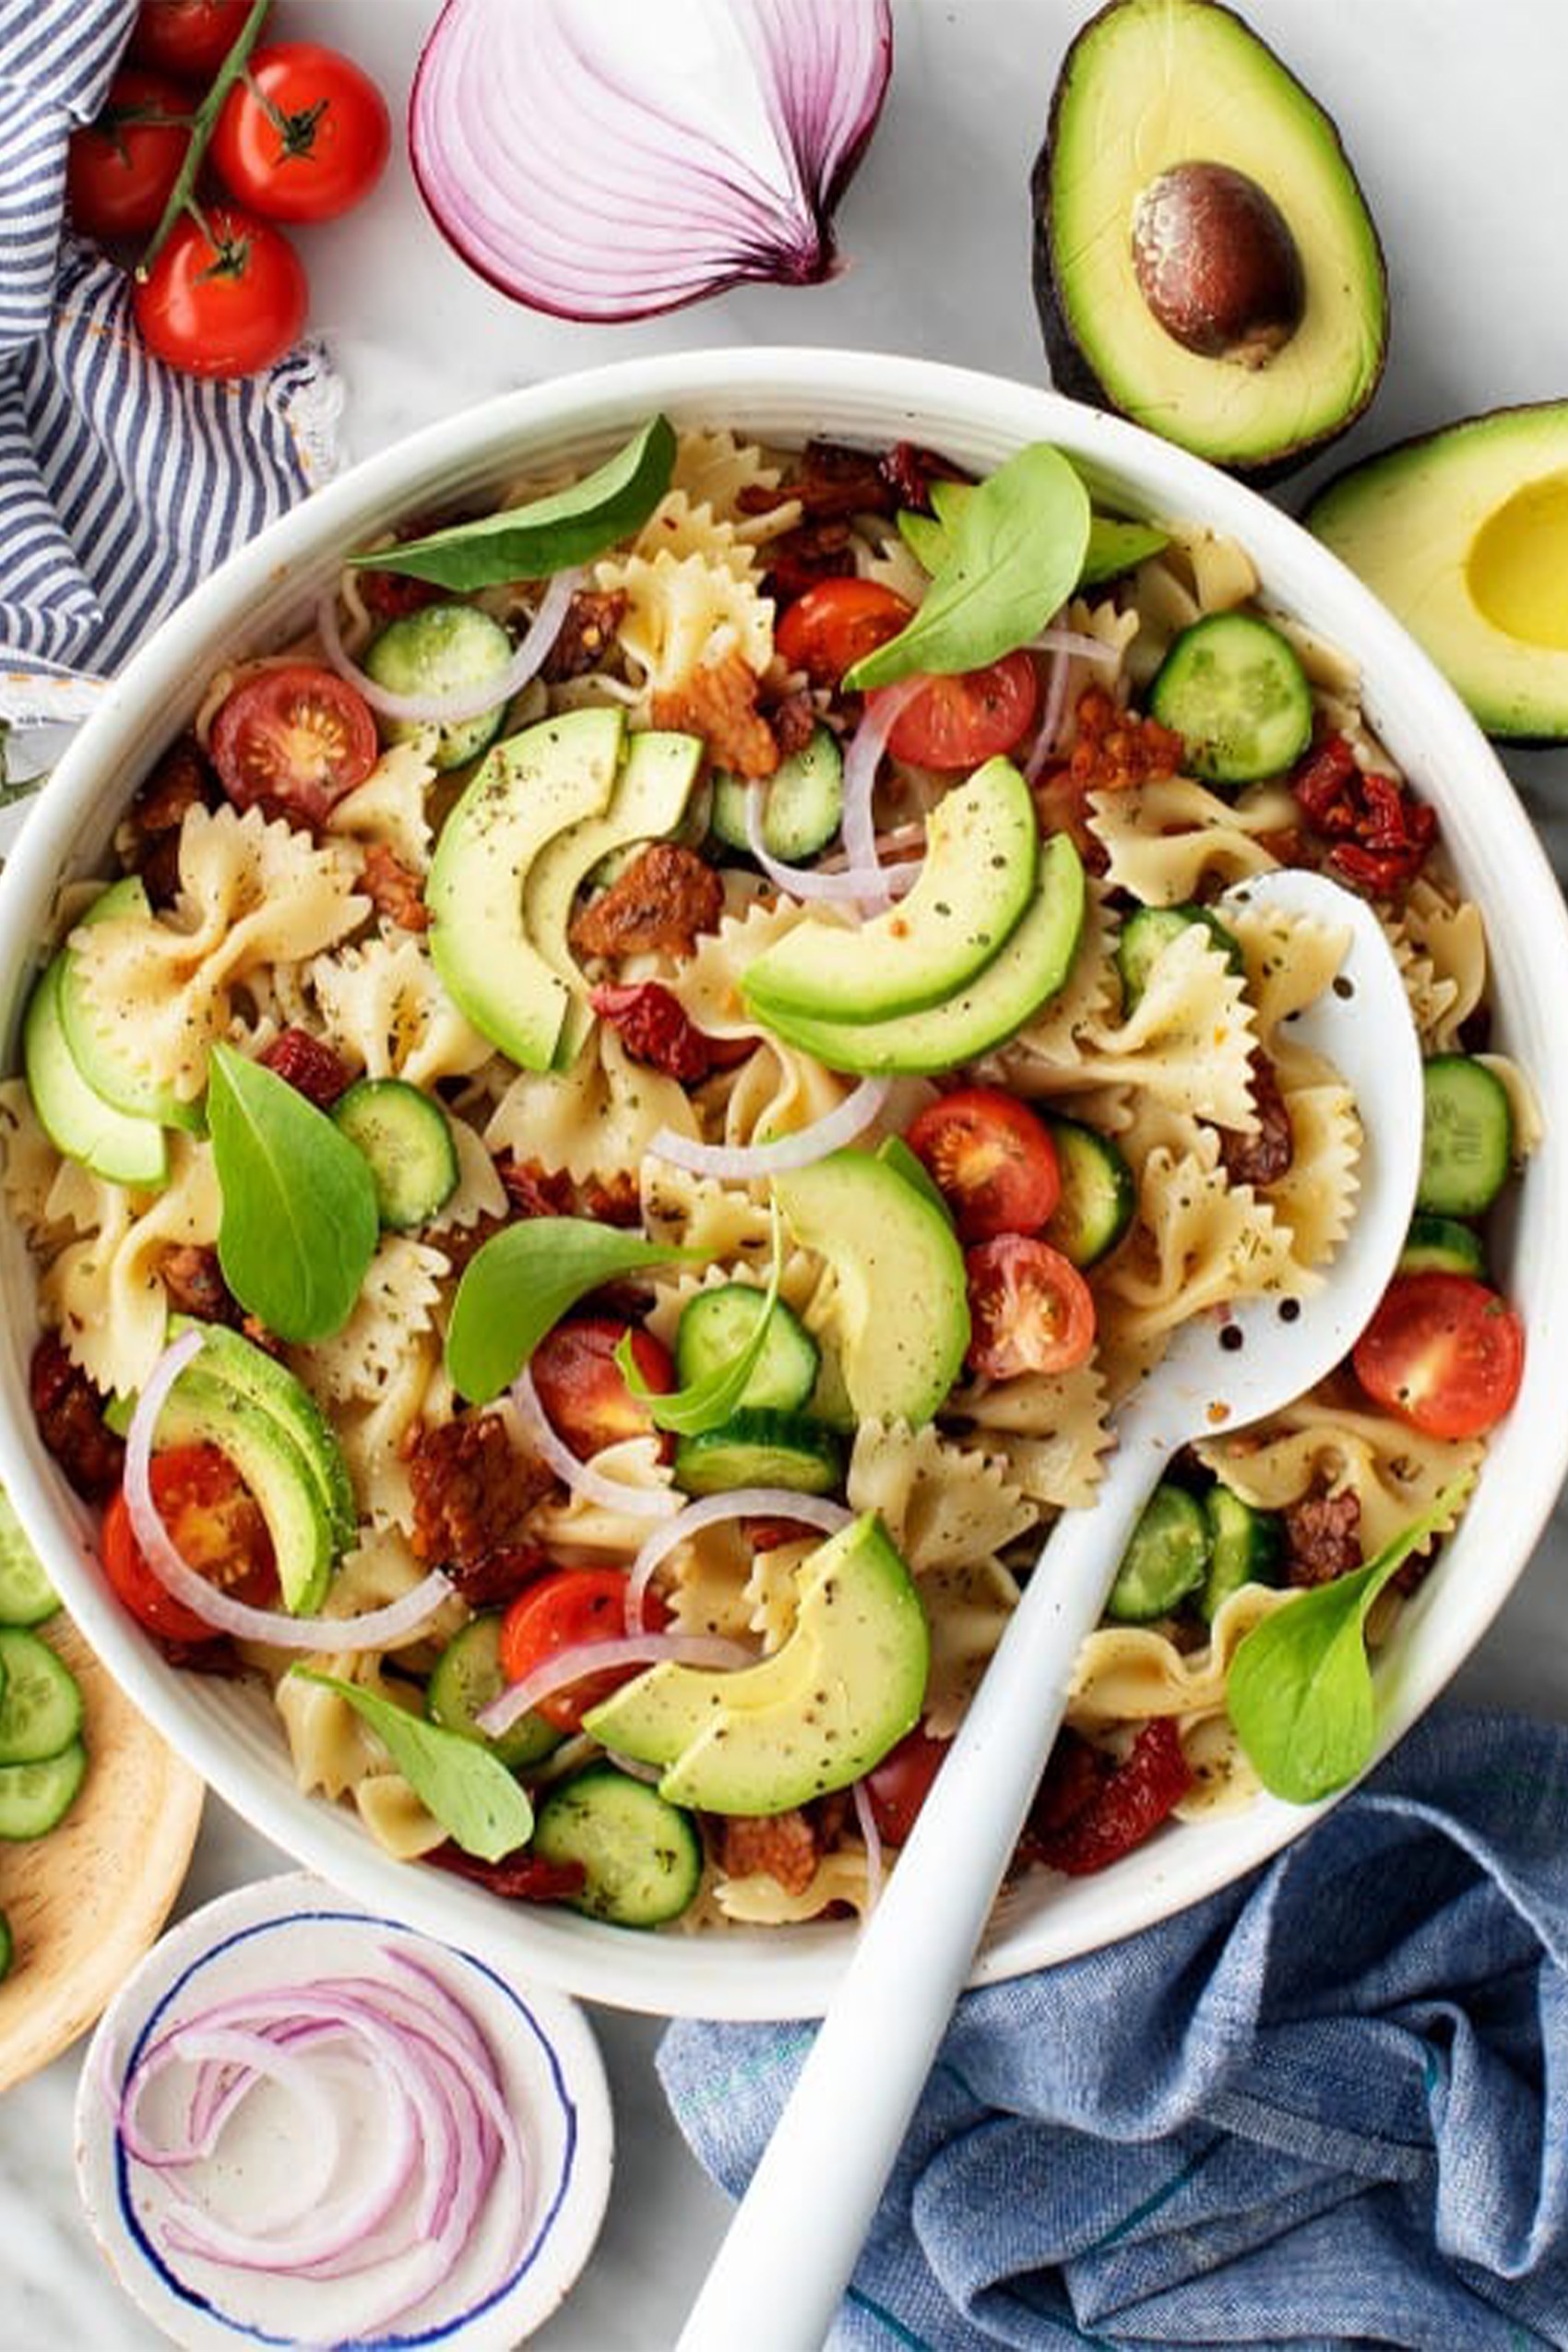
(1203, 259)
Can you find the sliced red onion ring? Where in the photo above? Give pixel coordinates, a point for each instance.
(1050, 718)
(848, 885)
(861, 763)
(740, 1163)
(1076, 642)
(564, 1667)
(670, 152)
(464, 702)
(377, 1629)
(866, 1820)
(594, 1486)
(740, 1502)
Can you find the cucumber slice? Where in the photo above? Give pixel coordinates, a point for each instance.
(1233, 690)
(465, 1677)
(803, 806)
(35, 1796)
(1147, 934)
(1440, 1245)
(1097, 1197)
(408, 1140)
(717, 1325)
(1467, 1141)
(1246, 1546)
(641, 1857)
(26, 1597)
(442, 649)
(759, 1447)
(40, 1705)
(1165, 1559)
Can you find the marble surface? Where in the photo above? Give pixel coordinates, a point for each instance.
(1453, 116)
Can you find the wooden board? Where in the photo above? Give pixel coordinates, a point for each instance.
(86, 1901)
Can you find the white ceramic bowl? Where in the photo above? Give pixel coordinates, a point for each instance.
(267, 590)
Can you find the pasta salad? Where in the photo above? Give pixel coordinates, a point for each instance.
(635, 1103)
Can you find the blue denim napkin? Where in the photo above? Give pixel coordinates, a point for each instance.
(1327, 2105)
(121, 481)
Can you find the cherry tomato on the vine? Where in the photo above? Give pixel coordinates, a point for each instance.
(1443, 1352)
(120, 170)
(826, 630)
(1031, 1311)
(303, 135)
(561, 1611)
(958, 721)
(580, 1387)
(992, 1160)
(224, 304)
(293, 738)
(187, 37)
(216, 1526)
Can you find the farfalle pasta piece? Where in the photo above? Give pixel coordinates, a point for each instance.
(1198, 1241)
(1049, 1429)
(593, 1120)
(966, 1607)
(1321, 1445)
(395, 1307)
(375, 1436)
(776, 1091)
(1439, 943)
(385, 1010)
(684, 614)
(28, 1164)
(716, 467)
(758, 1900)
(480, 1191)
(567, 1523)
(1163, 841)
(1524, 1103)
(682, 527)
(723, 1222)
(944, 1505)
(391, 805)
(1198, 572)
(1128, 1673)
(1223, 1779)
(104, 1292)
(708, 983)
(1061, 1033)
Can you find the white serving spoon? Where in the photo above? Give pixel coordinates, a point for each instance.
(794, 2241)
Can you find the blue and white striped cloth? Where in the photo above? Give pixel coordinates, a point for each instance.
(121, 482)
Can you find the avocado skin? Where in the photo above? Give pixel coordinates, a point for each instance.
(1070, 370)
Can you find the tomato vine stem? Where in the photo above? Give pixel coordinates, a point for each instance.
(203, 123)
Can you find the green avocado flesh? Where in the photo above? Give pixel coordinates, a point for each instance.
(986, 1012)
(982, 847)
(114, 1143)
(99, 1041)
(229, 1361)
(846, 1686)
(1464, 535)
(1151, 85)
(528, 788)
(202, 1410)
(900, 1324)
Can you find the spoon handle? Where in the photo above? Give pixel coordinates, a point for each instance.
(797, 2234)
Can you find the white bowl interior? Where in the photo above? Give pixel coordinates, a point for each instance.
(266, 591)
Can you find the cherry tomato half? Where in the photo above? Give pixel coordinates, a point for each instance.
(826, 630)
(119, 172)
(568, 1607)
(224, 304)
(214, 1524)
(1031, 1311)
(579, 1384)
(993, 1161)
(188, 37)
(296, 738)
(898, 1785)
(1444, 1353)
(958, 721)
(303, 135)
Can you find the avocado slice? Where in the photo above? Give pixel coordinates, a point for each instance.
(901, 1313)
(1174, 129)
(1010, 989)
(982, 851)
(75, 1117)
(529, 788)
(649, 798)
(96, 1049)
(847, 1685)
(1464, 535)
(201, 1410)
(231, 1361)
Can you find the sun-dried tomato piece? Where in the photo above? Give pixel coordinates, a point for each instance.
(473, 1490)
(614, 1200)
(585, 635)
(1113, 748)
(309, 1064)
(908, 470)
(796, 559)
(1378, 831)
(782, 1846)
(193, 1279)
(517, 1878)
(536, 1191)
(216, 1656)
(148, 839)
(719, 701)
(794, 720)
(1322, 1537)
(767, 1535)
(69, 1413)
(394, 889)
(666, 896)
(655, 1028)
(1121, 1809)
(1264, 1158)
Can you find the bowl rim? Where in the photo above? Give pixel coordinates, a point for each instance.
(740, 1974)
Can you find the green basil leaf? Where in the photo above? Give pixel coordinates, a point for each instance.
(1015, 549)
(707, 1403)
(470, 1791)
(549, 535)
(1116, 546)
(1300, 1691)
(300, 1225)
(521, 1283)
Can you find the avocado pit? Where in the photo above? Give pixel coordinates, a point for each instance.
(1217, 263)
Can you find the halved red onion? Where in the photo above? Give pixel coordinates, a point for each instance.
(739, 1502)
(846, 884)
(464, 702)
(862, 761)
(564, 1667)
(668, 152)
(377, 1629)
(737, 1163)
(594, 1486)
(866, 1820)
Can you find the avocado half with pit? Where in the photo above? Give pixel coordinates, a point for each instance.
(1464, 535)
(1205, 260)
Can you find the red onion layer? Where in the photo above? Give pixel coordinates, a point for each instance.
(866, 1820)
(663, 154)
(861, 763)
(739, 1502)
(739, 1163)
(564, 1667)
(377, 1629)
(581, 1478)
(842, 885)
(464, 702)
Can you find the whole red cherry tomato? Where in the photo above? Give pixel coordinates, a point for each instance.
(293, 738)
(561, 1610)
(1031, 1310)
(992, 1160)
(225, 304)
(960, 721)
(187, 37)
(303, 135)
(215, 1525)
(826, 630)
(1444, 1353)
(120, 170)
(579, 1385)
